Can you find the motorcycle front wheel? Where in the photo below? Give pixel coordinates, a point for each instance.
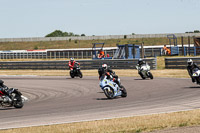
(150, 75)
(109, 93)
(80, 74)
(72, 75)
(17, 103)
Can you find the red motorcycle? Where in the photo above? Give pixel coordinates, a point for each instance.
(10, 97)
(76, 72)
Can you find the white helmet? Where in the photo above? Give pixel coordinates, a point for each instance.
(104, 66)
(71, 59)
(190, 62)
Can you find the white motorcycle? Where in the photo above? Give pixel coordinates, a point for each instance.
(111, 89)
(144, 71)
(196, 75)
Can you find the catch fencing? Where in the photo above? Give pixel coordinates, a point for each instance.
(85, 64)
(179, 63)
(82, 53)
(35, 39)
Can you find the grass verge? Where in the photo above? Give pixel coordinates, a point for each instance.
(169, 73)
(120, 125)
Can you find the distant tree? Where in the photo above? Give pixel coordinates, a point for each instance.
(82, 34)
(196, 31)
(56, 33)
(133, 33)
(35, 47)
(59, 33)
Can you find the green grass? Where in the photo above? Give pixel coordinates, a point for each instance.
(82, 43)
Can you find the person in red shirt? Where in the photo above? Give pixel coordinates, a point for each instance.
(71, 63)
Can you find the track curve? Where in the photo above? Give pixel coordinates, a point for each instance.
(57, 99)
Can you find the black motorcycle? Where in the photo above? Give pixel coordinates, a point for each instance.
(76, 72)
(11, 97)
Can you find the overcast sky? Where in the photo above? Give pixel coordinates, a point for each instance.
(37, 18)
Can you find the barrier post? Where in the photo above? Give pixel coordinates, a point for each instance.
(189, 44)
(182, 45)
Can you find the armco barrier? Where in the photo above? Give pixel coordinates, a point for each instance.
(85, 64)
(179, 63)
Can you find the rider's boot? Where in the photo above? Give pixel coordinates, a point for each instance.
(119, 84)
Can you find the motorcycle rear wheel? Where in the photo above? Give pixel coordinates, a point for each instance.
(142, 76)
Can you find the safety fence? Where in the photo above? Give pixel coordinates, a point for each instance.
(68, 53)
(179, 63)
(85, 64)
(34, 39)
(87, 53)
(52, 54)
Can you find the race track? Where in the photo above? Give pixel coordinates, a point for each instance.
(58, 99)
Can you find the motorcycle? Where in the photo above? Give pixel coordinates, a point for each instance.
(196, 75)
(76, 72)
(111, 89)
(11, 97)
(144, 71)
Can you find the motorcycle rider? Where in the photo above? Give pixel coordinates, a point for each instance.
(104, 70)
(191, 66)
(71, 63)
(140, 63)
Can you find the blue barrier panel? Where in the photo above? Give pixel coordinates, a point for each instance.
(175, 50)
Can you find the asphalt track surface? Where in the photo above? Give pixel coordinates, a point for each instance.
(59, 99)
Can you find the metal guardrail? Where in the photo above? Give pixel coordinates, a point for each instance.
(179, 63)
(85, 64)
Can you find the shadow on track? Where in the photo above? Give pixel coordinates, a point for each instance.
(7, 108)
(192, 87)
(103, 99)
(118, 97)
(139, 79)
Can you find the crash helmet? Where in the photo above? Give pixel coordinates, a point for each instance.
(140, 61)
(104, 66)
(71, 59)
(190, 62)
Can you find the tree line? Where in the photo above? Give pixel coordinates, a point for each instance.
(59, 33)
